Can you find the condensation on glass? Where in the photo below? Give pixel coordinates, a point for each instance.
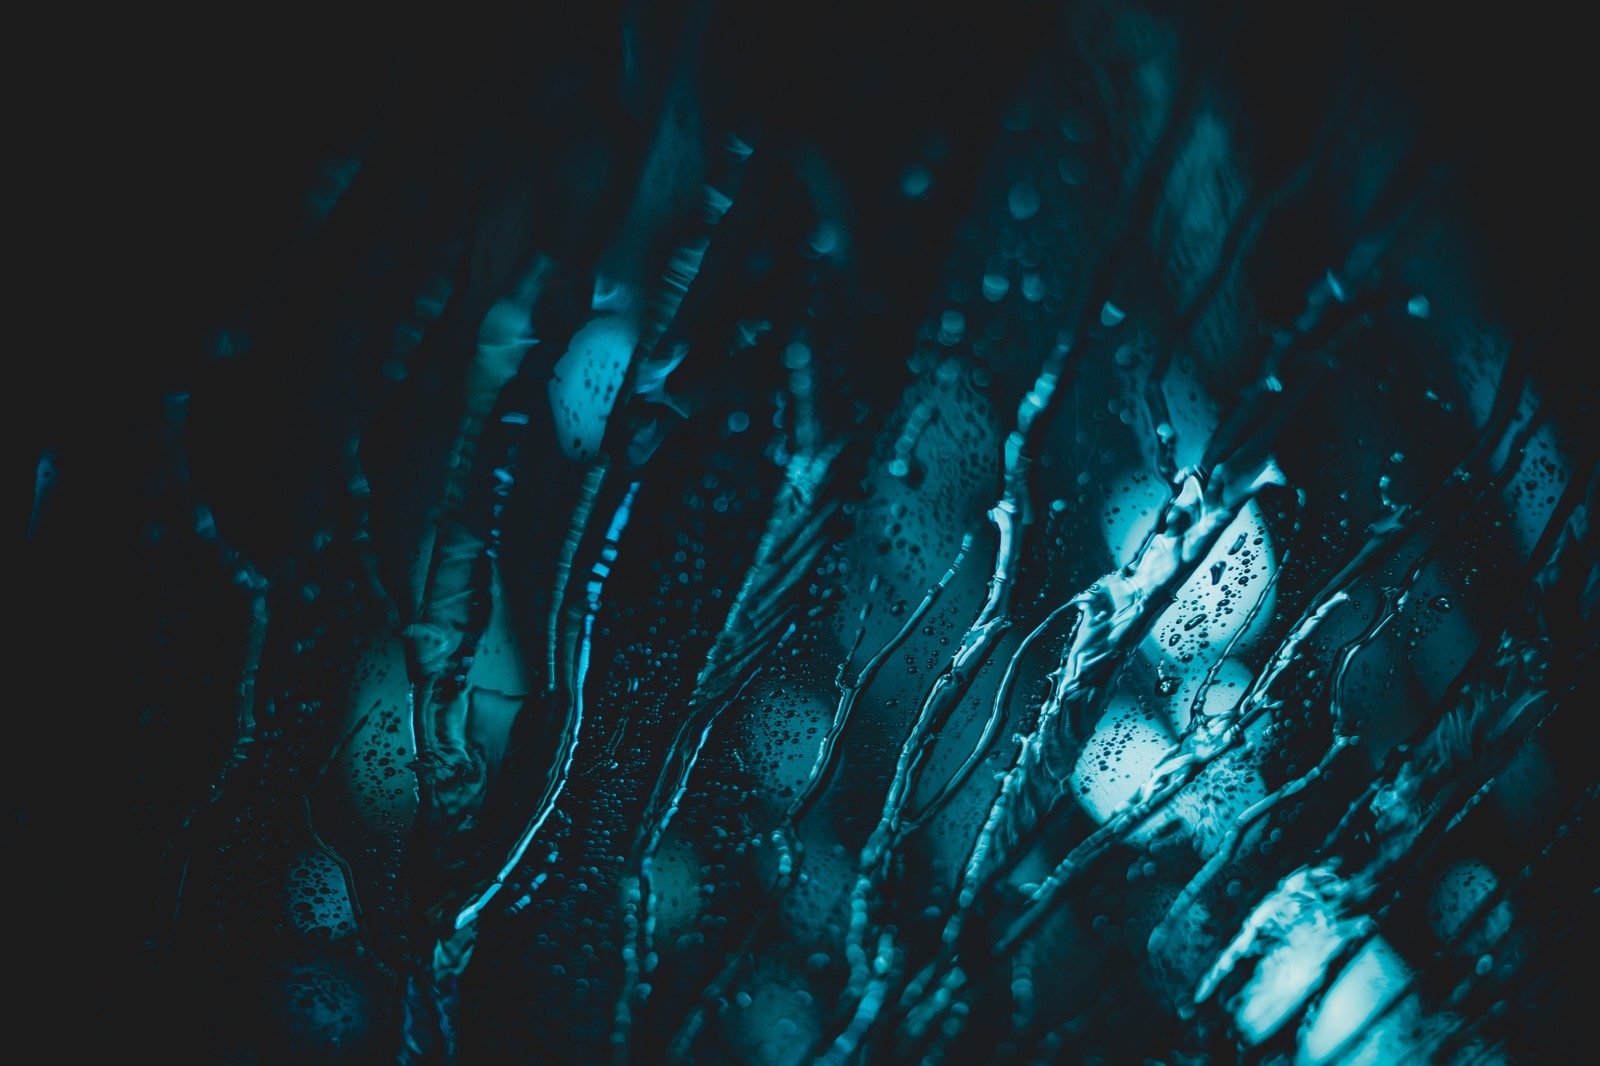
(1053, 564)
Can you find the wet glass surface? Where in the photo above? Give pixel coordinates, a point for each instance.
(690, 533)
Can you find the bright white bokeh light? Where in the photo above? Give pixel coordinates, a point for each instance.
(1214, 606)
(1127, 745)
(586, 382)
(1362, 990)
(1117, 759)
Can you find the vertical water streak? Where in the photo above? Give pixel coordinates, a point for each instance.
(573, 731)
(1512, 685)
(790, 547)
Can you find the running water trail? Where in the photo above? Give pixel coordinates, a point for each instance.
(786, 837)
(1297, 938)
(575, 686)
(1114, 614)
(943, 915)
(428, 1002)
(567, 645)
(794, 540)
(630, 428)
(1240, 236)
(1446, 509)
(1011, 516)
(1488, 465)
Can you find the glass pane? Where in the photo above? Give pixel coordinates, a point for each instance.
(727, 534)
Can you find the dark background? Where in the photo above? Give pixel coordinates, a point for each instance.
(164, 163)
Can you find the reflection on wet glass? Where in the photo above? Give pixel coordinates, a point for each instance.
(1056, 562)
